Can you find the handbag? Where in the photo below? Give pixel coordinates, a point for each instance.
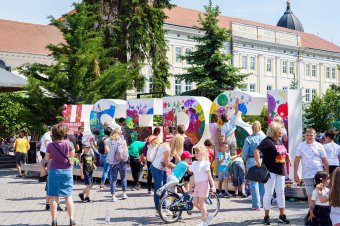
(258, 174)
(66, 157)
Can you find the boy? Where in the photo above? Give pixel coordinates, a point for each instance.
(176, 174)
(223, 158)
(86, 169)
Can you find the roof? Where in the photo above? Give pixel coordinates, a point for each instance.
(289, 20)
(19, 37)
(11, 81)
(189, 18)
(30, 38)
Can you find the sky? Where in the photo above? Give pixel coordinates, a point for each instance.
(319, 17)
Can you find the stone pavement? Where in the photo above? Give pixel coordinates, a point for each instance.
(22, 203)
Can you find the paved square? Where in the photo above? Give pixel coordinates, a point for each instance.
(22, 203)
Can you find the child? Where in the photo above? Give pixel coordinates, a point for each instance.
(223, 158)
(238, 174)
(319, 210)
(86, 169)
(176, 174)
(203, 180)
(334, 197)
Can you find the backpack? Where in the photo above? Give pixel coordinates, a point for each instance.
(149, 150)
(121, 153)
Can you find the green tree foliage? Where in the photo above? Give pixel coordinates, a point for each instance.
(106, 43)
(323, 110)
(210, 67)
(262, 118)
(294, 83)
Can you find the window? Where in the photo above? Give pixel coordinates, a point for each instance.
(307, 70)
(178, 86)
(187, 51)
(150, 84)
(244, 62)
(313, 70)
(328, 72)
(333, 72)
(269, 87)
(307, 95)
(244, 87)
(291, 68)
(284, 67)
(187, 86)
(252, 87)
(269, 65)
(178, 54)
(284, 87)
(252, 63)
(313, 93)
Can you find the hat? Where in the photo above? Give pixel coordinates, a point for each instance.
(319, 137)
(186, 155)
(86, 145)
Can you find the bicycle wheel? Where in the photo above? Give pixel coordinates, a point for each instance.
(212, 203)
(168, 211)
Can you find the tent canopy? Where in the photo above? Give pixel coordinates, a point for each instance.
(10, 81)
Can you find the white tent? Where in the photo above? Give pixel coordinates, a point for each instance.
(10, 81)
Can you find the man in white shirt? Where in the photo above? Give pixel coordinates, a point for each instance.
(313, 157)
(45, 139)
(332, 151)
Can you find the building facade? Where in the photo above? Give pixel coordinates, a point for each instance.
(273, 56)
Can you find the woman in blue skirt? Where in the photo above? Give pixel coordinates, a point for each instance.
(60, 177)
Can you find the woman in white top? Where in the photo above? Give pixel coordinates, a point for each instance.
(165, 155)
(334, 197)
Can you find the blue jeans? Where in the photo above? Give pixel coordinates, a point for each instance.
(121, 167)
(257, 189)
(106, 169)
(159, 178)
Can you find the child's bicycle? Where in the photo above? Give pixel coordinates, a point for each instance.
(172, 205)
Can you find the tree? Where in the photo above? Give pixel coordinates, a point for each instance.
(106, 43)
(323, 110)
(262, 118)
(294, 83)
(210, 67)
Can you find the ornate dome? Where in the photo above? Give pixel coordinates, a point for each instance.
(289, 20)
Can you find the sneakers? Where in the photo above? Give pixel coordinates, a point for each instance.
(81, 196)
(266, 220)
(149, 193)
(54, 223)
(283, 219)
(114, 198)
(227, 195)
(157, 214)
(102, 186)
(244, 195)
(125, 196)
(256, 209)
(59, 208)
(208, 219)
(72, 222)
(220, 194)
(200, 223)
(159, 191)
(136, 188)
(87, 199)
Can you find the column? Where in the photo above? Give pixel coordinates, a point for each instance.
(260, 71)
(300, 71)
(321, 79)
(277, 72)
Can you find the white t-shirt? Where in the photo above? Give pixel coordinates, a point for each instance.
(213, 127)
(311, 158)
(325, 193)
(45, 138)
(333, 153)
(158, 162)
(200, 168)
(335, 215)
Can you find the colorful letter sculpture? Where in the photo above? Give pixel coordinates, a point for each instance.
(139, 116)
(250, 103)
(76, 115)
(105, 111)
(192, 112)
(287, 104)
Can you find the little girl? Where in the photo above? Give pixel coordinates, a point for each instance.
(202, 181)
(334, 197)
(319, 210)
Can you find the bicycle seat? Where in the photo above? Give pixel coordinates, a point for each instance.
(180, 185)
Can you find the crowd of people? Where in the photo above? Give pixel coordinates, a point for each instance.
(176, 159)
